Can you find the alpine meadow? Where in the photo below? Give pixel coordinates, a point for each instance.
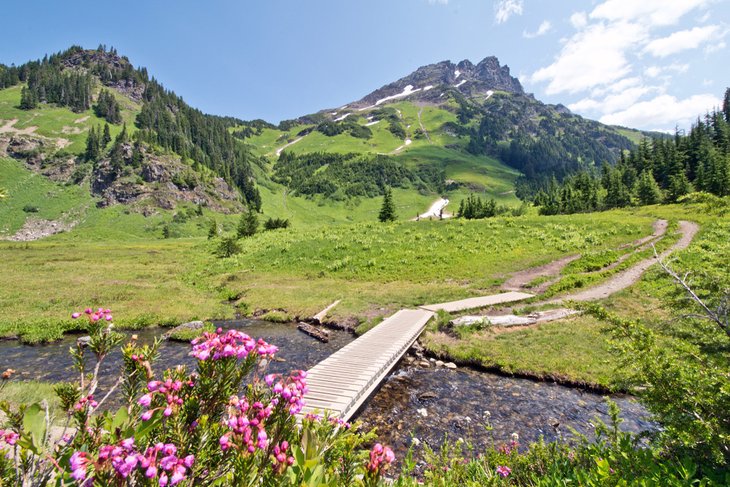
(212, 278)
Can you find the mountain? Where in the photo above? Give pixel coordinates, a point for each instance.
(472, 123)
(444, 130)
(427, 83)
(154, 149)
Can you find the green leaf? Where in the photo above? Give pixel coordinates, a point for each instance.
(34, 425)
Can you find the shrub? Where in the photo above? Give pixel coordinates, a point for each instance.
(223, 424)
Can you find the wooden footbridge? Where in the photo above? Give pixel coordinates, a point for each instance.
(342, 382)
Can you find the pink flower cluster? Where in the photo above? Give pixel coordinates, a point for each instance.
(8, 437)
(380, 457)
(503, 471)
(281, 459)
(84, 402)
(291, 390)
(231, 344)
(169, 389)
(248, 425)
(125, 459)
(99, 314)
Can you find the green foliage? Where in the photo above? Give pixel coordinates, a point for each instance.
(108, 108)
(228, 246)
(340, 176)
(248, 224)
(647, 189)
(387, 210)
(474, 208)
(276, 223)
(671, 166)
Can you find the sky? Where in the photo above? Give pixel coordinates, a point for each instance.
(648, 64)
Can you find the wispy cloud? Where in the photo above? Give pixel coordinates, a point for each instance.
(605, 59)
(439, 2)
(682, 40)
(543, 29)
(504, 9)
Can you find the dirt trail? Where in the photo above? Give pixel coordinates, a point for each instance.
(521, 279)
(422, 127)
(630, 276)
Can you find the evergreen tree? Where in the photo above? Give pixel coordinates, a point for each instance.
(27, 99)
(678, 186)
(213, 229)
(726, 105)
(387, 210)
(93, 145)
(647, 189)
(106, 137)
(248, 225)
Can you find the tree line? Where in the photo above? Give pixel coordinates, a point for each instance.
(660, 170)
(68, 79)
(341, 176)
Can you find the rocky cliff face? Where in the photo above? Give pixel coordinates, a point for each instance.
(428, 83)
(160, 181)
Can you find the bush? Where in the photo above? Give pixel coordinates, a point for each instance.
(275, 223)
(222, 424)
(30, 209)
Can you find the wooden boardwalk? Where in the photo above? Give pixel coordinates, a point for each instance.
(480, 302)
(344, 380)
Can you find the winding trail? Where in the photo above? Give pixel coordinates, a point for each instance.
(423, 129)
(630, 276)
(278, 151)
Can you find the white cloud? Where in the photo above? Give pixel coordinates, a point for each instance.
(651, 12)
(440, 2)
(593, 57)
(663, 112)
(682, 40)
(616, 101)
(504, 9)
(656, 71)
(543, 29)
(579, 20)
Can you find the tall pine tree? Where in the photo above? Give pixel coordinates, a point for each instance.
(387, 210)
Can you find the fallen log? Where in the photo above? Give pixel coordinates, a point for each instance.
(314, 332)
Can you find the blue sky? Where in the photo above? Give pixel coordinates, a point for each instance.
(648, 64)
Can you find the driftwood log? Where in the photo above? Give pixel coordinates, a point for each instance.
(313, 331)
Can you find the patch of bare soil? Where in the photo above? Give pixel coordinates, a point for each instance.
(520, 280)
(8, 128)
(35, 229)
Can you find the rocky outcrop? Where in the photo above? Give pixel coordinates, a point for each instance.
(162, 181)
(428, 83)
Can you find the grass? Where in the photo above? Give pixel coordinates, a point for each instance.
(28, 189)
(17, 393)
(61, 123)
(577, 350)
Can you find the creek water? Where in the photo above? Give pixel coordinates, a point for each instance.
(425, 403)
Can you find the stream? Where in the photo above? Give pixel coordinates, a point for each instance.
(425, 403)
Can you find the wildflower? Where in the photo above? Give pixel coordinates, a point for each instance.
(9, 437)
(503, 471)
(380, 457)
(79, 463)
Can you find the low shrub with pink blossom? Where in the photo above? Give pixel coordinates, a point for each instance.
(224, 422)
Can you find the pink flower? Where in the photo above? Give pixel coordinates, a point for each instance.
(145, 400)
(503, 471)
(380, 457)
(146, 415)
(79, 461)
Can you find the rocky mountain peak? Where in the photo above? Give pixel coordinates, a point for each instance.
(429, 82)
